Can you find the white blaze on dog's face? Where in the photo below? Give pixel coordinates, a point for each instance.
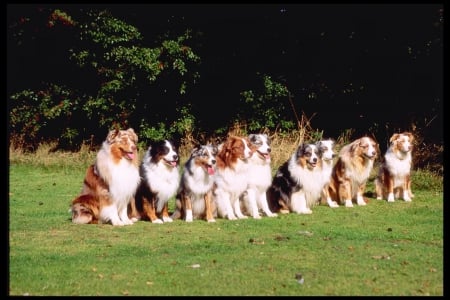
(369, 147)
(326, 149)
(172, 156)
(308, 155)
(403, 142)
(123, 143)
(261, 143)
(206, 157)
(162, 151)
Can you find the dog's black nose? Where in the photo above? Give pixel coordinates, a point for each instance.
(314, 159)
(175, 157)
(268, 150)
(213, 161)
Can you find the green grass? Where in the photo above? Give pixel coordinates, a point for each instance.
(380, 249)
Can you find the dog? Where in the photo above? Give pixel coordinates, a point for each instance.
(259, 176)
(296, 186)
(160, 181)
(327, 155)
(352, 170)
(194, 197)
(394, 174)
(110, 183)
(231, 177)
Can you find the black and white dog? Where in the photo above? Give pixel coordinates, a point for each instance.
(159, 182)
(194, 197)
(259, 176)
(295, 187)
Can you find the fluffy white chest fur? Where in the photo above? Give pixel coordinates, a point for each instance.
(259, 175)
(162, 181)
(308, 179)
(123, 181)
(399, 168)
(359, 175)
(233, 181)
(199, 181)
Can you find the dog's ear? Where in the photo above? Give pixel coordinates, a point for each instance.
(300, 149)
(214, 149)
(195, 150)
(355, 145)
(393, 137)
(133, 135)
(410, 135)
(112, 135)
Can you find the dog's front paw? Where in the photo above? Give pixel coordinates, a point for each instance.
(391, 197)
(333, 204)
(167, 219)
(348, 203)
(157, 221)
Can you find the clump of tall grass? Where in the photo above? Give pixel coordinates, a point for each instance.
(45, 155)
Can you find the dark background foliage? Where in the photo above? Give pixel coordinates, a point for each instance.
(370, 68)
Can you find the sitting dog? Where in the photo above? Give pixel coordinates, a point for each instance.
(327, 155)
(110, 183)
(394, 175)
(352, 170)
(296, 186)
(231, 179)
(259, 176)
(160, 181)
(194, 198)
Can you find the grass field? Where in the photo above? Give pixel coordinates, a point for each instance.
(380, 249)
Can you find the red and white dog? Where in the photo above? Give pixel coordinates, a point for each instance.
(110, 183)
(259, 176)
(160, 181)
(352, 170)
(296, 186)
(394, 175)
(231, 177)
(194, 199)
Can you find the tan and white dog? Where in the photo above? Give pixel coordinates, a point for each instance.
(352, 170)
(394, 175)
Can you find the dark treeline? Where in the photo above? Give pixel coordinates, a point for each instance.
(371, 68)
